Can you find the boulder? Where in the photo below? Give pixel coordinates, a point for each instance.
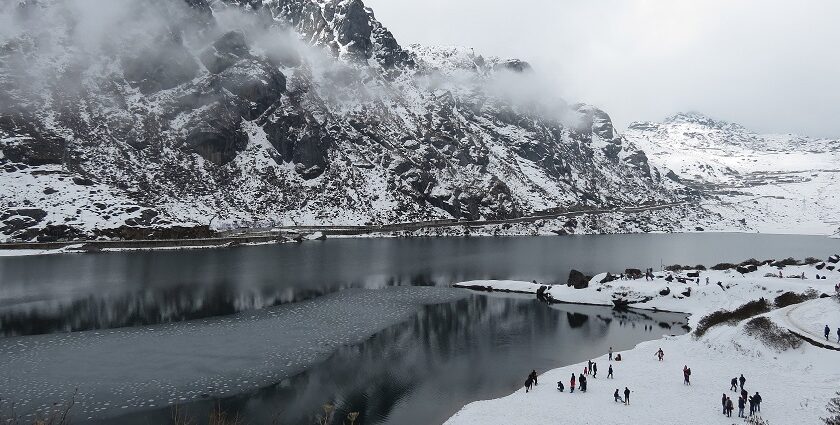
(633, 273)
(820, 266)
(693, 274)
(834, 259)
(83, 181)
(665, 291)
(609, 278)
(36, 214)
(749, 268)
(578, 280)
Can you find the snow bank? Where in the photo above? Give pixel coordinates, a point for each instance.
(795, 384)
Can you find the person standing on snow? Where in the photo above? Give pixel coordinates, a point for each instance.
(728, 407)
(741, 404)
(686, 375)
(572, 384)
(723, 403)
(582, 383)
(626, 395)
(742, 380)
(734, 384)
(757, 399)
(660, 354)
(528, 383)
(838, 335)
(594, 370)
(752, 405)
(533, 376)
(827, 331)
(610, 375)
(611, 351)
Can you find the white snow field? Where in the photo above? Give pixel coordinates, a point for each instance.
(775, 183)
(795, 384)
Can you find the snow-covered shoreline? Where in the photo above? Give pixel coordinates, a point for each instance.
(796, 384)
(73, 247)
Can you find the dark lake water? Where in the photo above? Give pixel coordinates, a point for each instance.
(417, 370)
(422, 371)
(61, 293)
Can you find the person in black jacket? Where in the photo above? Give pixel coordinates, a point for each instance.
(528, 383)
(741, 380)
(741, 404)
(582, 379)
(560, 386)
(723, 403)
(533, 376)
(609, 372)
(728, 407)
(734, 384)
(827, 332)
(617, 397)
(594, 370)
(757, 398)
(752, 405)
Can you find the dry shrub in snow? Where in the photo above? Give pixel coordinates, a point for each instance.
(833, 411)
(750, 309)
(756, 420)
(771, 334)
(791, 298)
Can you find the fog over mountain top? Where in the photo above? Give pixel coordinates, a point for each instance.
(764, 64)
(176, 118)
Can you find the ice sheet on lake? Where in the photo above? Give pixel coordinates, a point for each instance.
(120, 370)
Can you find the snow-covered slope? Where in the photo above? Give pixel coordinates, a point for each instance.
(778, 183)
(795, 381)
(200, 113)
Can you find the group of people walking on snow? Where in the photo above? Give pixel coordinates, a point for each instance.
(727, 405)
(828, 332)
(744, 398)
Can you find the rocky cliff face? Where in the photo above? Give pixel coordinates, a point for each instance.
(238, 112)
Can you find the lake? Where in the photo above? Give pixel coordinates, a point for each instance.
(395, 343)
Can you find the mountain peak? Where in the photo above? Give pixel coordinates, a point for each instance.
(698, 118)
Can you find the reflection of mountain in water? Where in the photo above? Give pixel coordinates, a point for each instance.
(425, 369)
(187, 301)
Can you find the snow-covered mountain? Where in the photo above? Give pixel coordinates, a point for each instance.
(781, 183)
(174, 115)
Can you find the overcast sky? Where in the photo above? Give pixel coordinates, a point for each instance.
(771, 65)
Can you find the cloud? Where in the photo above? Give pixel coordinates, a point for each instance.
(768, 64)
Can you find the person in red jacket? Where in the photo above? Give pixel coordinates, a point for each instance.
(572, 384)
